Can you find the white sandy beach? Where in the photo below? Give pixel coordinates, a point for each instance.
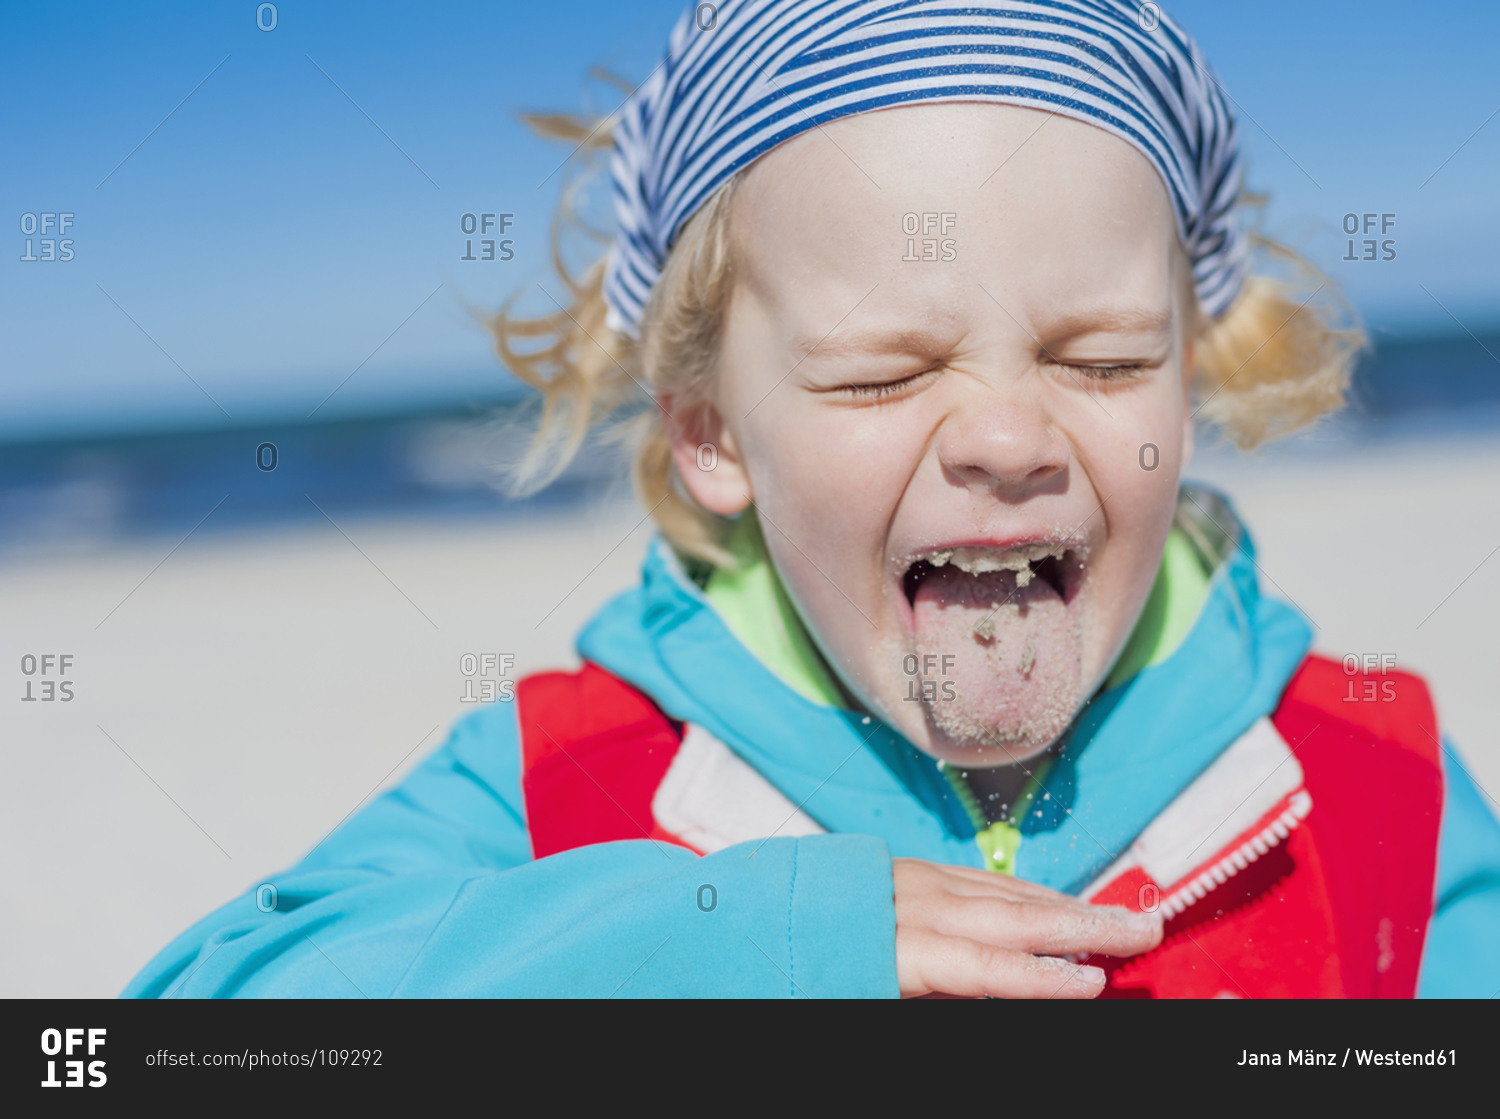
(264, 684)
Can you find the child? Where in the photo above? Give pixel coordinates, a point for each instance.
(938, 680)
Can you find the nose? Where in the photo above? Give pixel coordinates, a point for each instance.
(1002, 440)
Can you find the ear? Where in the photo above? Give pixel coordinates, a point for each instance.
(707, 457)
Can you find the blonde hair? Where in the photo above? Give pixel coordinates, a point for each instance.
(1277, 360)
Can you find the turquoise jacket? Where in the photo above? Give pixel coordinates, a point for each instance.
(432, 890)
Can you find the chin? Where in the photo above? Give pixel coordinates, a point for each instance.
(959, 735)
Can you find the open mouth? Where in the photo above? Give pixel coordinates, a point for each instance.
(1013, 574)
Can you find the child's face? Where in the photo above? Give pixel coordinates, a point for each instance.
(960, 326)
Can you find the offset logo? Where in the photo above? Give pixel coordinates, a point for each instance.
(493, 672)
(490, 248)
(934, 229)
(41, 675)
(52, 244)
(1370, 248)
(66, 1043)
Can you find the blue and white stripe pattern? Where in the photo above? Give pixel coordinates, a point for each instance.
(739, 79)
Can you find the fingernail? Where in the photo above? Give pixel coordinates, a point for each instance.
(1144, 922)
(1089, 978)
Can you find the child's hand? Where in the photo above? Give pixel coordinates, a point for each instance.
(971, 932)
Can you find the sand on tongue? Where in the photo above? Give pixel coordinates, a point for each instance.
(1019, 683)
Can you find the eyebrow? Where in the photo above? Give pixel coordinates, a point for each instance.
(1118, 320)
(870, 342)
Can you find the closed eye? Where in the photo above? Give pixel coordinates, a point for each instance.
(1103, 372)
(880, 390)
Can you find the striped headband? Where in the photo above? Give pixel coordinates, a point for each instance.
(742, 77)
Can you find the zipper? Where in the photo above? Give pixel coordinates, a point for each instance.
(1272, 835)
(999, 841)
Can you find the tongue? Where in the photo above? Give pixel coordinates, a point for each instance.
(998, 662)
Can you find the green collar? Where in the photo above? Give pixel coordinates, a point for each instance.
(755, 607)
(1171, 608)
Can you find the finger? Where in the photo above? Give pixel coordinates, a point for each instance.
(1052, 929)
(927, 962)
(973, 882)
(1004, 886)
(991, 882)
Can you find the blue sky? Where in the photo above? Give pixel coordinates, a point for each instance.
(268, 236)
